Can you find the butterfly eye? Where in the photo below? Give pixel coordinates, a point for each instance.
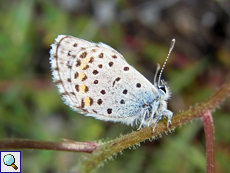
(163, 88)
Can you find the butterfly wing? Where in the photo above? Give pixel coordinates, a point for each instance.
(96, 80)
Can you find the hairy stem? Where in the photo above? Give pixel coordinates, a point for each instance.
(104, 151)
(110, 148)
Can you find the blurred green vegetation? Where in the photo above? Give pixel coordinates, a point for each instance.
(31, 108)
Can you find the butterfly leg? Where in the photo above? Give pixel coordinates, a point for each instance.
(166, 113)
(155, 123)
(143, 119)
(153, 111)
(169, 115)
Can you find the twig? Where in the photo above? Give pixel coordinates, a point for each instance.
(209, 136)
(87, 147)
(102, 151)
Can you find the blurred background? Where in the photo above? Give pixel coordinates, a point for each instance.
(141, 30)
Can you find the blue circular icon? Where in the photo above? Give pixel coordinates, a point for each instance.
(8, 159)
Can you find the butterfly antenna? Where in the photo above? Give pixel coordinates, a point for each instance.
(170, 50)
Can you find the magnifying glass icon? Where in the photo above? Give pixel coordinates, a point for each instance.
(9, 160)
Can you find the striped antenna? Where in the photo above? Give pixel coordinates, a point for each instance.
(170, 50)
